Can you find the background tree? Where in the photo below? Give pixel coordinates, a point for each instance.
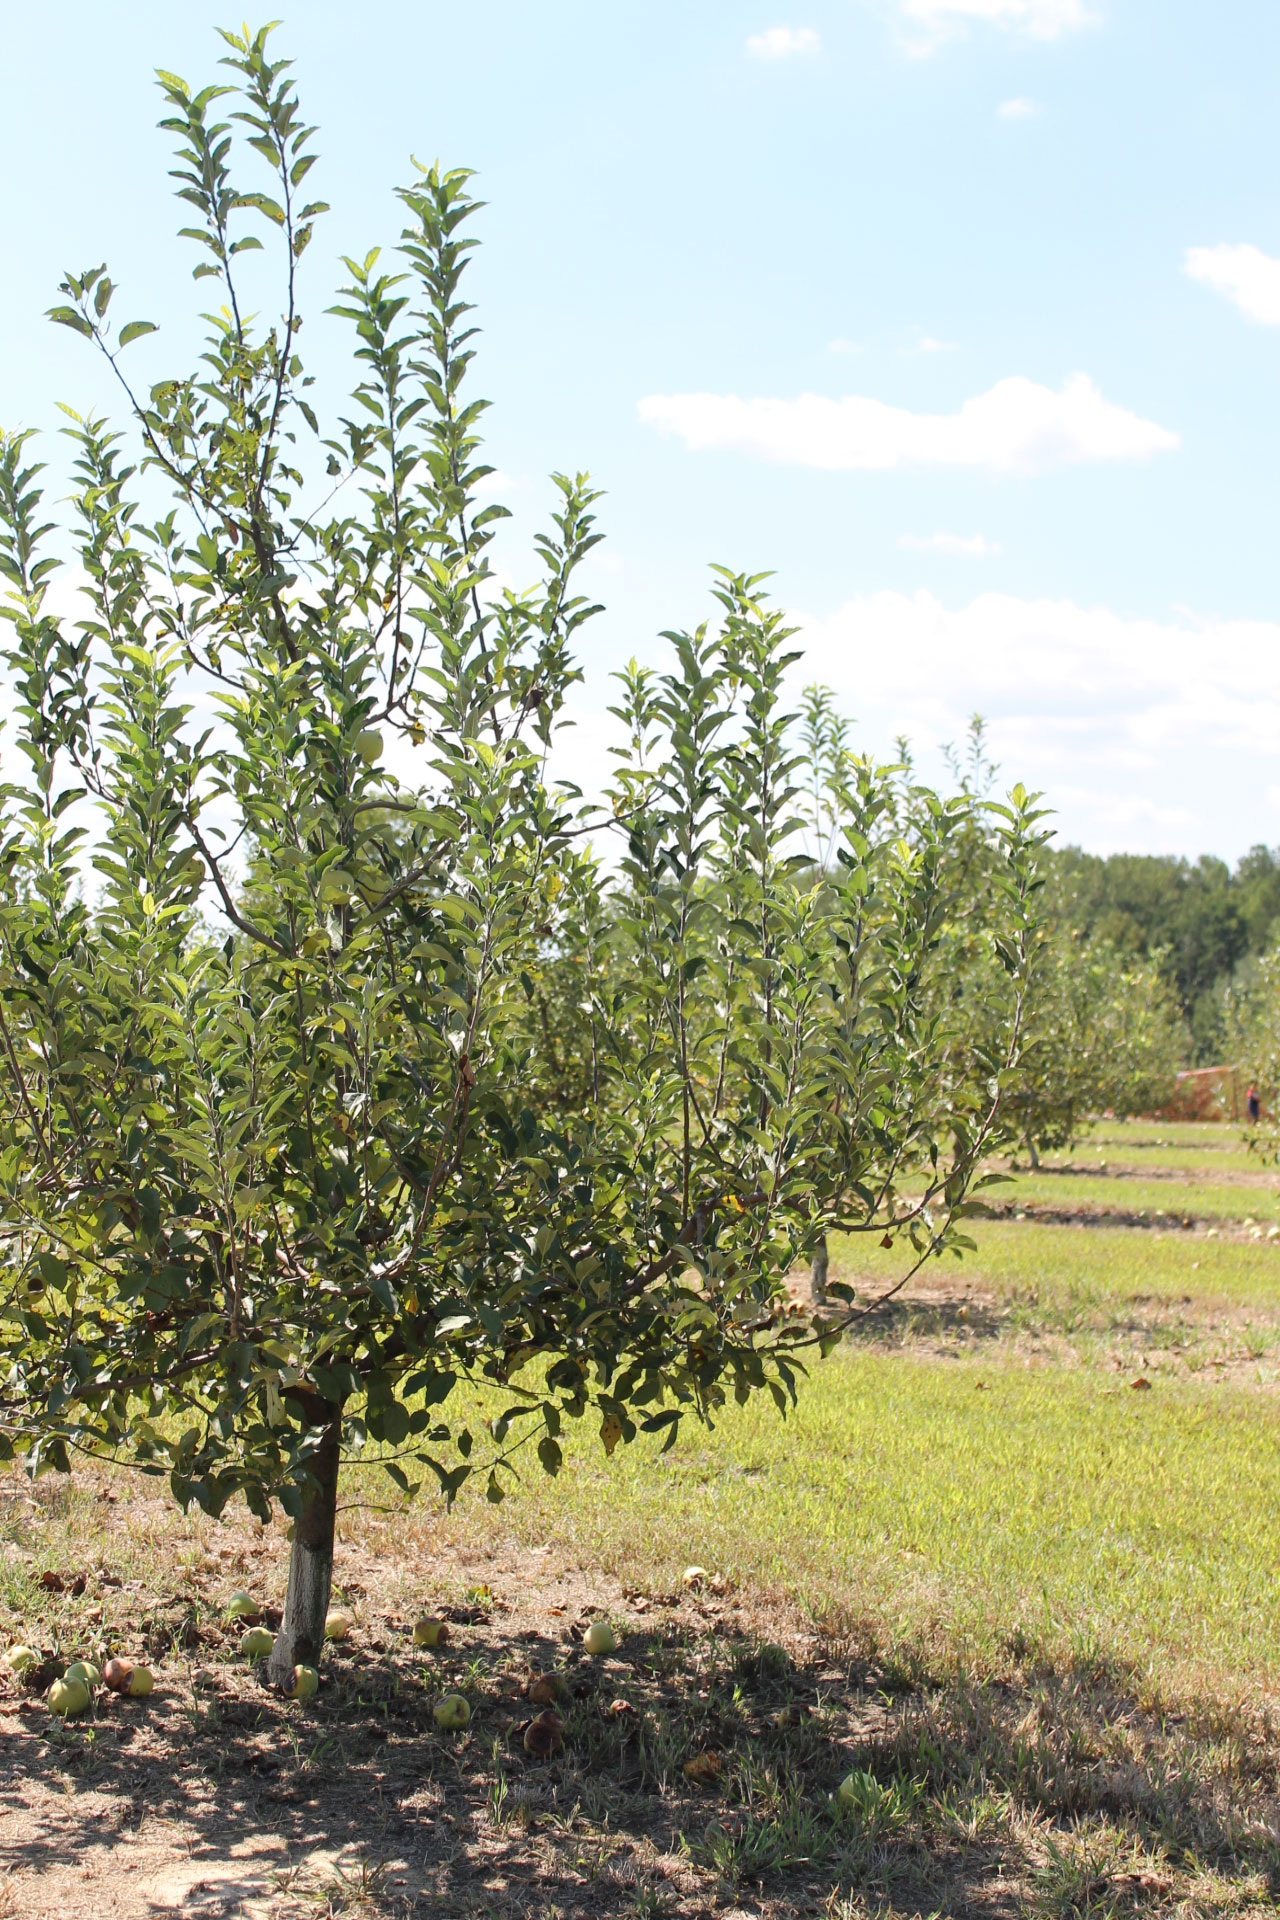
(1251, 1028)
(286, 1147)
(1200, 923)
(1103, 1034)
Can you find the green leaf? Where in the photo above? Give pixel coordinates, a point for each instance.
(262, 203)
(68, 317)
(135, 330)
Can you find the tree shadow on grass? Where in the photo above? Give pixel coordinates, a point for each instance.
(1045, 1787)
(960, 1321)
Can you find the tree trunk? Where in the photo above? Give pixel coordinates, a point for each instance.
(301, 1636)
(1031, 1149)
(818, 1273)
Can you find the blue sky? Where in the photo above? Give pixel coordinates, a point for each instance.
(961, 315)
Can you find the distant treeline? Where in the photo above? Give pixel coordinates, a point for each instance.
(1201, 923)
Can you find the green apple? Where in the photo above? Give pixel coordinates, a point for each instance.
(305, 1682)
(337, 1624)
(18, 1659)
(239, 1606)
(140, 1683)
(600, 1638)
(257, 1643)
(428, 1632)
(452, 1712)
(66, 1697)
(86, 1671)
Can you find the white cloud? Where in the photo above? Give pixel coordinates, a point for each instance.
(941, 20)
(778, 43)
(969, 546)
(1017, 426)
(843, 346)
(927, 344)
(1140, 730)
(496, 486)
(1127, 822)
(1245, 274)
(1088, 677)
(1019, 109)
(1146, 734)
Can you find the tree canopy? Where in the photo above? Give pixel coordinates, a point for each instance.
(294, 1135)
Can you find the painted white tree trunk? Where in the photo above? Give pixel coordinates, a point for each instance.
(301, 1636)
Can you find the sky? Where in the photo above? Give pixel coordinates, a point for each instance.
(962, 317)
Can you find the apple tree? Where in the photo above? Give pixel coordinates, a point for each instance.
(289, 1146)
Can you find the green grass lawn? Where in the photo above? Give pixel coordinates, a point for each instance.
(1040, 1503)
(1179, 1199)
(1211, 1162)
(1085, 1266)
(1165, 1133)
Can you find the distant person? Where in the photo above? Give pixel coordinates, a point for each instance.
(1252, 1104)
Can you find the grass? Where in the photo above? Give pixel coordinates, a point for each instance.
(1214, 1137)
(956, 1506)
(1054, 1267)
(1174, 1200)
(1168, 1143)
(1121, 1154)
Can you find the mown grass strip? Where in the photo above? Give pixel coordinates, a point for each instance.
(1175, 1199)
(1049, 1502)
(1085, 1266)
(1175, 1133)
(1122, 1156)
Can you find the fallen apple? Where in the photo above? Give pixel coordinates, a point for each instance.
(257, 1643)
(694, 1578)
(86, 1671)
(337, 1624)
(18, 1659)
(544, 1736)
(66, 1697)
(305, 1682)
(140, 1683)
(547, 1689)
(600, 1638)
(452, 1712)
(428, 1632)
(117, 1674)
(240, 1606)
